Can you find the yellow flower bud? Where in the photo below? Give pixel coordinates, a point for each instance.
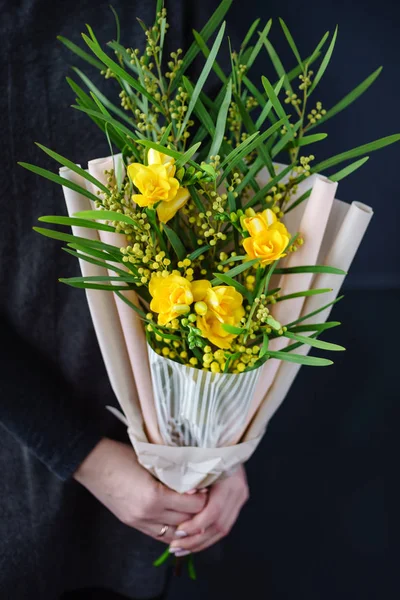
(201, 308)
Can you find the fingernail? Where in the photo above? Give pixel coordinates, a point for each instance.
(182, 553)
(180, 534)
(174, 550)
(204, 491)
(191, 492)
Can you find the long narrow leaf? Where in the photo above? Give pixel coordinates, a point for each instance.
(81, 53)
(359, 151)
(324, 63)
(311, 361)
(290, 40)
(71, 165)
(206, 51)
(315, 343)
(349, 169)
(72, 222)
(60, 180)
(349, 98)
(221, 121)
(310, 269)
(175, 242)
(207, 31)
(105, 215)
(304, 294)
(203, 76)
(259, 44)
(315, 312)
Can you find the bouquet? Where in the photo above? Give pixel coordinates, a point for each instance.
(210, 268)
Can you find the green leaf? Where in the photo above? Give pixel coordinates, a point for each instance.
(265, 344)
(116, 23)
(303, 197)
(205, 50)
(81, 53)
(250, 127)
(120, 72)
(349, 169)
(163, 558)
(324, 63)
(221, 121)
(304, 294)
(249, 34)
(280, 111)
(232, 155)
(315, 343)
(196, 253)
(60, 180)
(105, 215)
(175, 242)
(286, 139)
(70, 221)
(128, 135)
(359, 151)
(126, 277)
(233, 329)
(258, 46)
(207, 31)
(315, 327)
(246, 149)
(203, 77)
(268, 106)
(315, 312)
(99, 263)
(310, 139)
(290, 41)
(138, 310)
(264, 191)
(310, 269)
(317, 50)
(105, 101)
(235, 271)
(71, 165)
(164, 138)
(95, 286)
(311, 361)
(350, 98)
(185, 158)
(83, 242)
(196, 198)
(278, 65)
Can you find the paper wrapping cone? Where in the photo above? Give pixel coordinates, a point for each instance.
(312, 227)
(345, 231)
(132, 326)
(105, 318)
(199, 408)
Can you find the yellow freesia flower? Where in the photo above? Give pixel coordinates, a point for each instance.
(156, 183)
(225, 306)
(268, 237)
(172, 296)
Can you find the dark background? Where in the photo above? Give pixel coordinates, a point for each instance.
(317, 525)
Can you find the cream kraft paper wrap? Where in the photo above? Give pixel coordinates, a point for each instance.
(345, 231)
(125, 357)
(183, 468)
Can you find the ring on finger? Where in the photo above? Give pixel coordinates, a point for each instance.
(163, 531)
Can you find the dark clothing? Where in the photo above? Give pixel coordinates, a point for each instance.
(54, 536)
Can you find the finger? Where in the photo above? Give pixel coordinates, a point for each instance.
(172, 517)
(190, 504)
(194, 541)
(208, 543)
(154, 530)
(207, 517)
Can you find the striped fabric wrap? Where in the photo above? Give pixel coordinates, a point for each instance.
(199, 408)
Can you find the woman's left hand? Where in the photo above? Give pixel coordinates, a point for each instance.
(225, 501)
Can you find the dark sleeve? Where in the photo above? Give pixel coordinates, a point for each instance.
(40, 410)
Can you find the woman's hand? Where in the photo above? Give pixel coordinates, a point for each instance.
(225, 500)
(113, 475)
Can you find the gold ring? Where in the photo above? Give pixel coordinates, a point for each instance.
(163, 530)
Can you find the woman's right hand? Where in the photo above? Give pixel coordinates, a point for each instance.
(111, 472)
